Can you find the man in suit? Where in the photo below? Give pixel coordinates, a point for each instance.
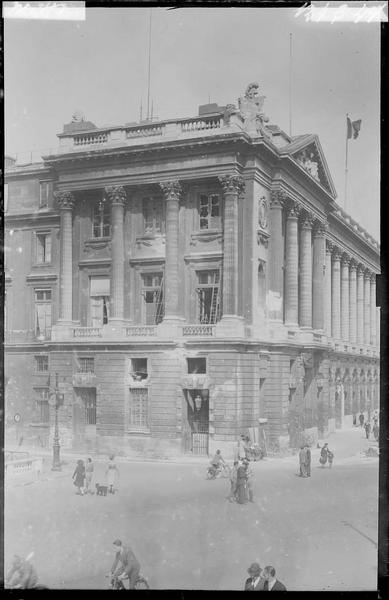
(308, 459)
(254, 582)
(271, 583)
(129, 564)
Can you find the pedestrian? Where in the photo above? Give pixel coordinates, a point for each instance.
(308, 460)
(79, 477)
(355, 420)
(249, 482)
(255, 582)
(233, 480)
(361, 419)
(367, 429)
(242, 448)
(324, 455)
(271, 583)
(112, 474)
(376, 431)
(330, 456)
(241, 484)
(302, 461)
(125, 564)
(89, 468)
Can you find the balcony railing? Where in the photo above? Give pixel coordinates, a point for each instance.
(147, 131)
(90, 138)
(198, 330)
(141, 331)
(81, 332)
(200, 124)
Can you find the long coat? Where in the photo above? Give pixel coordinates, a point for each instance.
(79, 475)
(241, 485)
(248, 586)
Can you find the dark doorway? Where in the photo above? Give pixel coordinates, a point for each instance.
(84, 417)
(195, 430)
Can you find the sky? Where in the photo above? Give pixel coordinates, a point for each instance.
(100, 66)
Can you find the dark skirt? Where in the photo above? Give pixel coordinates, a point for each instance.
(241, 491)
(79, 479)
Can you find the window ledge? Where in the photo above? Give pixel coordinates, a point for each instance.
(206, 235)
(46, 425)
(97, 243)
(134, 431)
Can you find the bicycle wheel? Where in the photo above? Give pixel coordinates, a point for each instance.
(141, 584)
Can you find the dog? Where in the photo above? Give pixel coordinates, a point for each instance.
(101, 490)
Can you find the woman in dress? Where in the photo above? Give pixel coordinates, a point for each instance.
(112, 474)
(323, 455)
(241, 484)
(79, 477)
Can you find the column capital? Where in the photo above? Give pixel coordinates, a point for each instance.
(306, 219)
(319, 228)
(353, 264)
(372, 277)
(346, 259)
(277, 198)
(367, 274)
(329, 247)
(337, 253)
(292, 209)
(360, 269)
(116, 194)
(232, 184)
(65, 199)
(171, 189)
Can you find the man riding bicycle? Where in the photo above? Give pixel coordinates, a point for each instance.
(128, 564)
(218, 462)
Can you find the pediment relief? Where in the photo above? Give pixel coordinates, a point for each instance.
(310, 157)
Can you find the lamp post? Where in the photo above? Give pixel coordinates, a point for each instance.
(57, 401)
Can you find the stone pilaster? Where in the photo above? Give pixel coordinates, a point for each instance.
(335, 299)
(233, 186)
(353, 303)
(172, 191)
(360, 305)
(291, 265)
(345, 299)
(66, 202)
(373, 332)
(328, 289)
(117, 196)
(366, 308)
(318, 281)
(305, 280)
(276, 256)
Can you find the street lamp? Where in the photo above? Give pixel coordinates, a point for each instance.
(57, 400)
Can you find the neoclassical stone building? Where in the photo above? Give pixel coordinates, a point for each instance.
(183, 280)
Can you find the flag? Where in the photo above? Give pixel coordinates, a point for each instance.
(353, 128)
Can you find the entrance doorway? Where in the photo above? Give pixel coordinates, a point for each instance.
(195, 421)
(84, 417)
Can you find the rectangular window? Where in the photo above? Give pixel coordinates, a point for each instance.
(99, 301)
(101, 220)
(152, 292)
(86, 364)
(42, 363)
(208, 293)
(153, 219)
(210, 211)
(42, 405)
(43, 248)
(43, 313)
(139, 409)
(44, 191)
(139, 368)
(197, 365)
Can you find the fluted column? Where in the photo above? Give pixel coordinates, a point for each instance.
(171, 190)
(117, 196)
(328, 290)
(373, 310)
(305, 280)
(233, 186)
(345, 299)
(335, 300)
(66, 202)
(318, 282)
(353, 303)
(360, 305)
(366, 305)
(276, 254)
(291, 265)
(378, 327)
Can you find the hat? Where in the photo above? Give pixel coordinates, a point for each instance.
(254, 570)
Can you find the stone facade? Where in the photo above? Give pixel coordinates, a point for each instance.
(185, 281)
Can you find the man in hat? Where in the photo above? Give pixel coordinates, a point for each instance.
(125, 564)
(255, 582)
(271, 583)
(308, 460)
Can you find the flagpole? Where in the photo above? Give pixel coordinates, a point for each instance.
(148, 79)
(290, 85)
(346, 166)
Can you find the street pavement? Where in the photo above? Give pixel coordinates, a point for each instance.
(320, 533)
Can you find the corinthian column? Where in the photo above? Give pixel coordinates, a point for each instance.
(305, 292)
(276, 254)
(66, 202)
(345, 298)
(291, 265)
(353, 303)
(318, 276)
(328, 289)
(360, 305)
(233, 186)
(372, 310)
(117, 196)
(366, 318)
(172, 191)
(335, 300)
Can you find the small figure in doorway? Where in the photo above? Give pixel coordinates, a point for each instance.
(112, 474)
(79, 477)
(361, 419)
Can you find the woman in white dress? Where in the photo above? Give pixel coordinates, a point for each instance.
(112, 474)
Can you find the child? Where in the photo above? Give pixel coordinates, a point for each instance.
(330, 456)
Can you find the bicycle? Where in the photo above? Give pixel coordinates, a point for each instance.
(116, 582)
(220, 471)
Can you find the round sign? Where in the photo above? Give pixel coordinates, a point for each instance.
(52, 399)
(17, 418)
